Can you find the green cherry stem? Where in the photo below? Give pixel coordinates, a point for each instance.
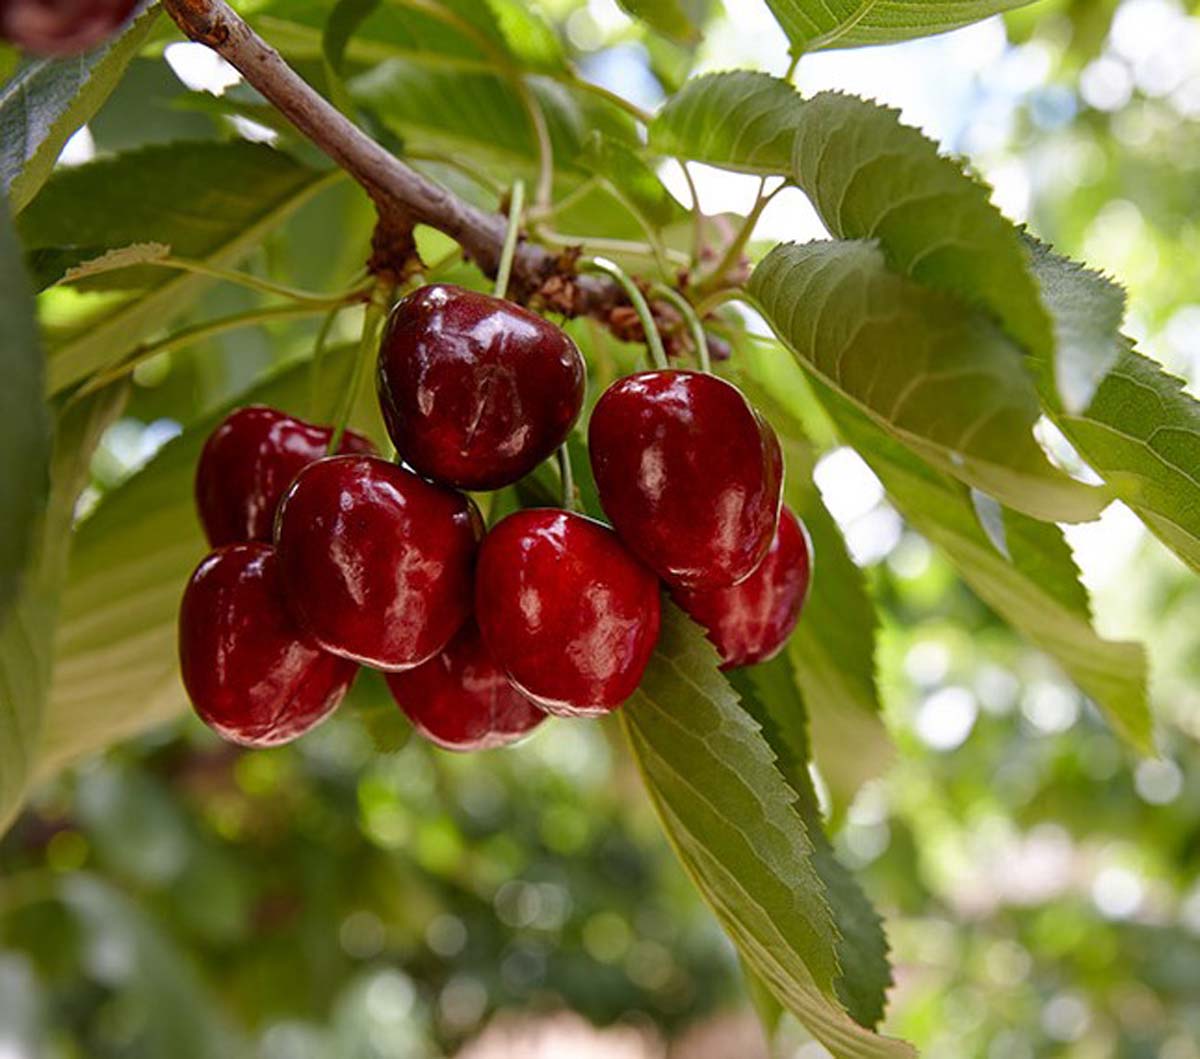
(658, 355)
(515, 206)
(691, 318)
(568, 477)
(368, 346)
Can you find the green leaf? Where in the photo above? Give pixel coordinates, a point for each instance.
(742, 121)
(527, 36)
(1029, 577)
(940, 378)
(632, 180)
(833, 647)
(27, 632)
(1142, 435)
(871, 177)
(1140, 429)
(441, 112)
(49, 99)
(116, 672)
(210, 201)
(812, 25)
(1087, 310)
(771, 695)
(677, 19)
(732, 820)
(344, 20)
(24, 419)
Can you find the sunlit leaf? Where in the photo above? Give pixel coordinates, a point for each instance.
(815, 24)
(940, 378)
(1031, 582)
(743, 121)
(732, 820)
(870, 177)
(771, 695)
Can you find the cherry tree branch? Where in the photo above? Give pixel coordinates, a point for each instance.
(397, 189)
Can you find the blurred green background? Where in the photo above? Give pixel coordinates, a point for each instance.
(361, 894)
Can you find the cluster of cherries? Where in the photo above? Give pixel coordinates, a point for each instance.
(323, 563)
(61, 27)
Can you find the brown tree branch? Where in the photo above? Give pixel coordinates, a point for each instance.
(397, 189)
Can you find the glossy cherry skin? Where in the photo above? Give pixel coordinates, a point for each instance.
(751, 621)
(565, 610)
(250, 672)
(247, 464)
(476, 391)
(461, 700)
(376, 562)
(61, 27)
(689, 473)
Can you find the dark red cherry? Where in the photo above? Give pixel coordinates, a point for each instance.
(689, 473)
(250, 672)
(461, 700)
(476, 391)
(376, 562)
(565, 610)
(61, 27)
(751, 621)
(247, 464)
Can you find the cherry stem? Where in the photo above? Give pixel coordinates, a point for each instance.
(658, 355)
(368, 346)
(515, 206)
(691, 319)
(318, 357)
(568, 477)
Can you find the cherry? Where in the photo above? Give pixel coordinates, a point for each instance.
(751, 621)
(461, 700)
(376, 562)
(248, 461)
(689, 473)
(249, 671)
(476, 391)
(61, 27)
(565, 610)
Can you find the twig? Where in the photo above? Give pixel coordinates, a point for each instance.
(394, 186)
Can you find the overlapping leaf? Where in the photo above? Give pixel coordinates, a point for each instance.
(731, 818)
(771, 695)
(27, 631)
(678, 19)
(871, 177)
(815, 24)
(632, 179)
(740, 120)
(49, 99)
(833, 648)
(1141, 429)
(24, 419)
(1032, 583)
(942, 379)
(210, 201)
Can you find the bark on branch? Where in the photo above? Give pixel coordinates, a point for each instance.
(396, 188)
